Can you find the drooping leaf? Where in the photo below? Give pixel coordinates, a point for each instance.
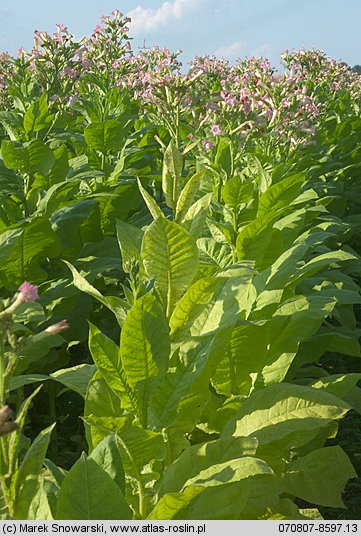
(197, 458)
(281, 194)
(285, 413)
(115, 304)
(75, 378)
(220, 492)
(319, 477)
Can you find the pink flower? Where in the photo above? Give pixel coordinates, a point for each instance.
(62, 28)
(28, 292)
(216, 130)
(98, 29)
(54, 329)
(208, 145)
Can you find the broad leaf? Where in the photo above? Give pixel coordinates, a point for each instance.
(145, 349)
(170, 256)
(138, 447)
(88, 492)
(285, 413)
(106, 356)
(130, 242)
(319, 477)
(105, 136)
(107, 455)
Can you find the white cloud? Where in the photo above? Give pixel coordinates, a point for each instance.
(231, 52)
(146, 19)
(264, 51)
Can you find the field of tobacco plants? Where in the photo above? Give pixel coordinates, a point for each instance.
(180, 284)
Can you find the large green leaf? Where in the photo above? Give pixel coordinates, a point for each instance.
(88, 492)
(255, 238)
(138, 447)
(219, 492)
(285, 413)
(184, 392)
(130, 242)
(106, 356)
(233, 470)
(56, 196)
(195, 502)
(107, 455)
(26, 479)
(197, 458)
(37, 116)
(237, 191)
(77, 224)
(35, 157)
(319, 477)
(145, 349)
(100, 401)
(75, 378)
(170, 256)
(280, 195)
(105, 136)
(117, 202)
(15, 155)
(258, 354)
(21, 251)
(195, 218)
(213, 303)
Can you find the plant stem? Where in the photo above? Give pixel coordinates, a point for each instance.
(52, 414)
(2, 370)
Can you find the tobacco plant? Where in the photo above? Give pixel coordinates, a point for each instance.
(200, 233)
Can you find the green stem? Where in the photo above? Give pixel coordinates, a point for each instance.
(177, 137)
(52, 413)
(2, 371)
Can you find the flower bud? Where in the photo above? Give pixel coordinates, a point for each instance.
(6, 426)
(54, 329)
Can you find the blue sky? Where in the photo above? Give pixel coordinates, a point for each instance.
(226, 28)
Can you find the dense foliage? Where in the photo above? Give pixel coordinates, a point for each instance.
(185, 248)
